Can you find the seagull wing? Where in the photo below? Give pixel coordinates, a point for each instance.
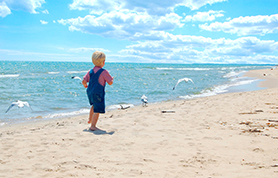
(183, 79)
(75, 77)
(12, 105)
(144, 97)
(144, 100)
(190, 80)
(27, 104)
(179, 81)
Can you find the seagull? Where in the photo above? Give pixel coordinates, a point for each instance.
(183, 79)
(75, 77)
(20, 104)
(144, 100)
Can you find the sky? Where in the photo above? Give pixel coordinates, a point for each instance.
(152, 31)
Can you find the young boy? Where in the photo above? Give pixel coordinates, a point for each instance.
(97, 78)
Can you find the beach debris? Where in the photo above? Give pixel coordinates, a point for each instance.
(60, 124)
(270, 103)
(76, 77)
(246, 122)
(252, 130)
(126, 107)
(258, 150)
(251, 112)
(222, 123)
(19, 104)
(144, 100)
(168, 111)
(248, 113)
(271, 124)
(270, 120)
(183, 79)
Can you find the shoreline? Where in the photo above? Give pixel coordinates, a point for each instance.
(225, 135)
(232, 79)
(269, 77)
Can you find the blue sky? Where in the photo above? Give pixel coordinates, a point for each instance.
(158, 31)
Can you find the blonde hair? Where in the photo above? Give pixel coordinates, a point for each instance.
(98, 57)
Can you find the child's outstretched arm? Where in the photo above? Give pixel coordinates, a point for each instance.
(85, 84)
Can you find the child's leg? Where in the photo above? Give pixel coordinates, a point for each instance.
(94, 121)
(91, 115)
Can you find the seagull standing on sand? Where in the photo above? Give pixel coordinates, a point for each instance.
(144, 100)
(20, 104)
(183, 79)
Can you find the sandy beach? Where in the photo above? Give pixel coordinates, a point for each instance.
(227, 135)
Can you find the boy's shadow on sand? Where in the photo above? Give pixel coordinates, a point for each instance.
(99, 132)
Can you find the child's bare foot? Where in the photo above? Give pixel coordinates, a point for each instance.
(94, 128)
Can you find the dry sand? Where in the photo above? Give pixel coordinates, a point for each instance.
(228, 135)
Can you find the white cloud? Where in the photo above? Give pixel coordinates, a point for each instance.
(45, 11)
(20, 5)
(249, 25)
(125, 19)
(123, 24)
(149, 23)
(196, 4)
(204, 16)
(95, 6)
(43, 22)
(199, 49)
(153, 7)
(85, 49)
(4, 9)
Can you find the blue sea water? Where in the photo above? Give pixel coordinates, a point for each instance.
(49, 89)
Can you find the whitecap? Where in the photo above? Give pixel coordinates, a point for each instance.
(233, 74)
(197, 69)
(219, 89)
(74, 113)
(76, 72)
(53, 72)
(244, 82)
(194, 69)
(9, 75)
(216, 90)
(164, 68)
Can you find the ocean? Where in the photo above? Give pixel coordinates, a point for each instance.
(52, 93)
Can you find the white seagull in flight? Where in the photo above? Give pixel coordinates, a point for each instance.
(75, 77)
(20, 104)
(183, 79)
